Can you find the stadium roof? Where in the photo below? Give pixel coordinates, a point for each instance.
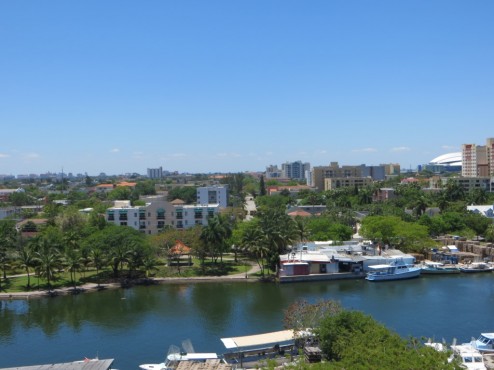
(450, 159)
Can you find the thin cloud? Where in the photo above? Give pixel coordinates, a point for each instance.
(31, 156)
(3, 155)
(228, 155)
(115, 150)
(449, 147)
(138, 155)
(400, 149)
(365, 150)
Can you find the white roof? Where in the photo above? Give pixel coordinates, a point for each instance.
(258, 339)
(452, 159)
(380, 266)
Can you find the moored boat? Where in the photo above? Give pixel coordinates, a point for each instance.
(477, 267)
(175, 356)
(484, 343)
(469, 357)
(429, 267)
(397, 270)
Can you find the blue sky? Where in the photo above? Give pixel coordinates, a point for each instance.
(118, 86)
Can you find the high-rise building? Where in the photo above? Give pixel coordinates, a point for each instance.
(294, 170)
(478, 160)
(155, 173)
(213, 195)
(273, 172)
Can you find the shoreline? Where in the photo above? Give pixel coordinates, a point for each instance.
(93, 287)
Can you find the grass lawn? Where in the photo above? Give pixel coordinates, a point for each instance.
(62, 279)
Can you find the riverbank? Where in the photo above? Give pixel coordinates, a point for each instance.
(125, 284)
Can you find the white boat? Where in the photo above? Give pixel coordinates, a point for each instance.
(252, 351)
(469, 357)
(484, 343)
(172, 360)
(429, 267)
(477, 267)
(175, 356)
(396, 270)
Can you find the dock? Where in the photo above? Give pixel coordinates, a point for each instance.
(87, 364)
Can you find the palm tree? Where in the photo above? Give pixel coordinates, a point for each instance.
(27, 259)
(135, 256)
(302, 230)
(98, 260)
(8, 235)
(118, 256)
(215, 234)
(49, 262)
(254, 242)
(72, 261)
(149, 264)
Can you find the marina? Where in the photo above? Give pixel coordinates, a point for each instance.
(137, 326)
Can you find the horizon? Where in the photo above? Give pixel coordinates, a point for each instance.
(222, 87)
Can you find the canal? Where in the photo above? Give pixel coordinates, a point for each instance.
(138, 325)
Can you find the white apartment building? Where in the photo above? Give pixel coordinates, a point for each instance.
(158, 214)
(213, 195)
(187, 216)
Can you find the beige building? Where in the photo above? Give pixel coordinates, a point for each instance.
(346, 182)
(478, 160)
(321, 173)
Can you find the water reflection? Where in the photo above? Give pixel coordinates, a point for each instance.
(137, 325)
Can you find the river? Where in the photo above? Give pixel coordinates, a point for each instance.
(138, 325)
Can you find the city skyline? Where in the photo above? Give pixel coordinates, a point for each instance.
(205, 87)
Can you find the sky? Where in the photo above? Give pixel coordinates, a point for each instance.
(119, 86)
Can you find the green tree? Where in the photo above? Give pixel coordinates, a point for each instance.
(186, 193)
(98, 260)
(477, 223)
(120, 193)
(262, 186)
(49, 261)
(489, 233)
(71, 260)
(380, 228)
(302, 315)
(27, 259)
(215, 235)
(353, 340)
(254, 242)
(8, 237)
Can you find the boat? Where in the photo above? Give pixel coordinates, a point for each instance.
(469, 357)
(175, 356)
(429, 267)
(484, 343)
(396, 270)
(252, 351)
(477, 267)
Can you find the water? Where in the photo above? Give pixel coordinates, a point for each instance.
(138, 325)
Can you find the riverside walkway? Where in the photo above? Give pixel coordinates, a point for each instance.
(91, 287)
